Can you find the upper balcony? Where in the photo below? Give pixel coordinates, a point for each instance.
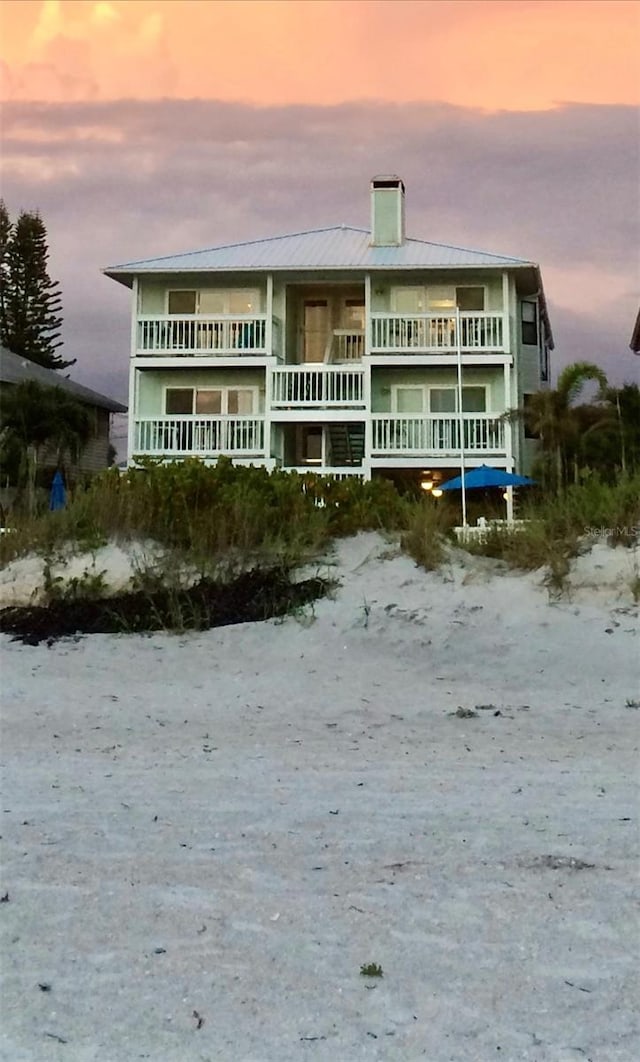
(436, 333)
(200, 335)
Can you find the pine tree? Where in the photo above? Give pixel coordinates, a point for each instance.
(30, 301)
(6, 230)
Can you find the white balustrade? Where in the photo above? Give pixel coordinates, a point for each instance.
(435, 333)
(196, 334)
(430, 434)
(318, 386)
(203, 436)
(346, 345)
(336, 472)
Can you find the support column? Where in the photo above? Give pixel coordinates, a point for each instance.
(508, 438)
(133, 373)
(366, 381)
(269, 323)
(506, 315)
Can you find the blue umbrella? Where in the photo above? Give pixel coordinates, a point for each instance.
(487, 477)
(58, 494)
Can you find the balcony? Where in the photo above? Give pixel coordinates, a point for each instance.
(317, 387)
(419, 434)
(196, 335)
(181, 436)
(428, 333)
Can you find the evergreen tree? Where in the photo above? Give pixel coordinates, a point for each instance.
(30, 301)
(6, 230)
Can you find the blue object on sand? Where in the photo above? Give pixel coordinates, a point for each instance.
(58, 494)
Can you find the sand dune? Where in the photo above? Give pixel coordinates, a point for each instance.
(205, 837)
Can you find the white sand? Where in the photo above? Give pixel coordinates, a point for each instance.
(229, 824)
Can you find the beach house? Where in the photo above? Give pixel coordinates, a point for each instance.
(344, 351)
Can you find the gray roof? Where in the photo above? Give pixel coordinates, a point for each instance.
(15, 369)
(341, 247)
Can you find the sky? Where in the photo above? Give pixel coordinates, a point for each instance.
(140, 128)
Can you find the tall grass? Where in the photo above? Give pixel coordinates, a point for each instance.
(210, 513)
(555, 526)
(234, 515)
(425, 534)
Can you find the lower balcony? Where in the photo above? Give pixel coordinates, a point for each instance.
(418, 434)
(317, 387)
(184, 436)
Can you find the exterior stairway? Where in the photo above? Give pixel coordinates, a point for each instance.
(347, 444)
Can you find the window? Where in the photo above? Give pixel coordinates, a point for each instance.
(408, 399)
(230, 300)
(470, 299)
(182, 302)
(529, 319)
(240, 401)
(179, 400)
(448, 298)
(208, 402)
(445, 399)
(437, 298)
(233, 301)
(408, 300)
(211, 401)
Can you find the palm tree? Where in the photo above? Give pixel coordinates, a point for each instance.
(551, 417)
(35, 418)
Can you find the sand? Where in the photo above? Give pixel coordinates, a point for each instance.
(205, 837)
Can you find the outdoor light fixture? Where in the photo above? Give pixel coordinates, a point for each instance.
(437, 493)
(506, 495)
(426, 484)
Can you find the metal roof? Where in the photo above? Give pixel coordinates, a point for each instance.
(15, 369)
(341, 247)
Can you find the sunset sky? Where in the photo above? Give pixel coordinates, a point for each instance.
(139, 128)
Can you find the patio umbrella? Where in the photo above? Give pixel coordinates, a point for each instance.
(57, 494)
(485, 476)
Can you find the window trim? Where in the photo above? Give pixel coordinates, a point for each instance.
(535, 324)
(395, 390)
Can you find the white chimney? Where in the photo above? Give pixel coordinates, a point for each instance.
(387, 212)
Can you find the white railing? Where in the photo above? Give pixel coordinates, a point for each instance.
(199, 435)
(346, 345)
(418, 433)
(435, 333)
(336, 472)
(321, 386)
(195, 334)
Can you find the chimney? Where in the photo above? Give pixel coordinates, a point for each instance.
(387, 212)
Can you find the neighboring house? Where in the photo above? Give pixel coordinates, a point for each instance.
(336, 350)
(95, 456)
